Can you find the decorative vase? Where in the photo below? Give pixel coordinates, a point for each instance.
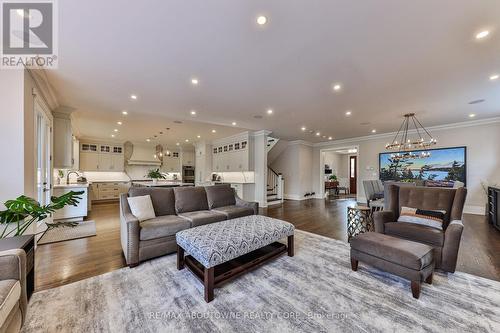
(155, 181)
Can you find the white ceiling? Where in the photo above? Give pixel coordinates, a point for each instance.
(391, 57)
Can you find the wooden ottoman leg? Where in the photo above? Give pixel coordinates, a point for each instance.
(290, 246)
(180, 257)
(354, 264)
(415, 289)
(208, 281)
(429, 279)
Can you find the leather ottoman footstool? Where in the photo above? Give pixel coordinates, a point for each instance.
(410, 260)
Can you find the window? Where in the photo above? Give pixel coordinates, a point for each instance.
(353, 167)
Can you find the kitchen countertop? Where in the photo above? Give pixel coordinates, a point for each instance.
(164, 183)
(72, 185)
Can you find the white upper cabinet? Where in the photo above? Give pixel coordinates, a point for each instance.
(63, 141)
(231, 155)
(188, 158)
(101, 157)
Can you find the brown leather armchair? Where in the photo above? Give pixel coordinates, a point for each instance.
(446, 242)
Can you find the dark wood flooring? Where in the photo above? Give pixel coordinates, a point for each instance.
(65, 262)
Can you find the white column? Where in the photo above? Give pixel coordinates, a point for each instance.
(260, 166)
(203, 162)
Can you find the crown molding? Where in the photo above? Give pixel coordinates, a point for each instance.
(261, 132)
(242, 135)
(42, 84)
(470, 123)
(301, 142)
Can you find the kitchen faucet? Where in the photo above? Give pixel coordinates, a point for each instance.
(69, 173)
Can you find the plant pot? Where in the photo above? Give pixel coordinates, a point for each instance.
(155, 181)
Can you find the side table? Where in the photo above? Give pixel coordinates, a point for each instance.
(359, 220)
(27, 243)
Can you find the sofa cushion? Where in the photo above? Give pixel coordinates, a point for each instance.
(10, 293)
(162, 198)
(141, 207)
(190, 199)
(234, 211)
(430, 218)
(201, 217)
(220, 196)
(428, 198)
(415, 232)
(162, 226)
(398, 251)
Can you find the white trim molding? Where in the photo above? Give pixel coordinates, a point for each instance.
(470, 123)
(476, 210)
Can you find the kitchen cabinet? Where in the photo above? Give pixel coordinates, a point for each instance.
(89, 161)
(231, 157)
(71, 212)
(63, 141)
(108, 190)
(101, 157)
(188, 158)
(171, 162)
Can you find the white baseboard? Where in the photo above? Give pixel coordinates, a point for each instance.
(294, 197)
(476, 210)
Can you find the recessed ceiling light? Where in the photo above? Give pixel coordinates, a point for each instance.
(133, 96)
(194, 81)
(233, 123)
(324, 136)
(348, 113)
(472, 115)
(119, 122)
(337, 87)
(482, 34)
(330, 138)
(112, 135)
(214, 131)
(374, 131)
(186, 140)
(124, 113)
(303, 128)
(270, 111)
(198, 136)
(148, 140)
(261, 20)
(116, 130)
(177, 144)
(494, 77)
(193, 112)
(318, 133)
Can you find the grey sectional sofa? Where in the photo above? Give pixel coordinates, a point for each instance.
(175, 209)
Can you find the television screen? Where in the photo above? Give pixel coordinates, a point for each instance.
(441, 169)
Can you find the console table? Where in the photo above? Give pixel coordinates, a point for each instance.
(27, 243)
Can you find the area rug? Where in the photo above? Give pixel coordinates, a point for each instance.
(315, 291)
(83, 229)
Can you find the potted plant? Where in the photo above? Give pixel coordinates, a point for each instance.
(60, 176)
(20, 213)
(155, 174)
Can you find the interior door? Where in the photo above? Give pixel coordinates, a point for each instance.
(353, 167)
(43, 163)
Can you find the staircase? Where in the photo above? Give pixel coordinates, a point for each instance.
(275, 184)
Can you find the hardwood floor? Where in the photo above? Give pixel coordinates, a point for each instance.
(65, 262)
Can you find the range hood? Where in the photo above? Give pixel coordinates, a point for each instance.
(141, 154)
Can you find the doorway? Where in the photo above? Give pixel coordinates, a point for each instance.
(353, 173)
(43, 163)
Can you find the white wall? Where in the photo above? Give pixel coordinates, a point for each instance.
(334, 161)
(295, 163)
(11, 134)
(482, 140)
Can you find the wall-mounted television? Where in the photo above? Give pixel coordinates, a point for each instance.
(442, 168)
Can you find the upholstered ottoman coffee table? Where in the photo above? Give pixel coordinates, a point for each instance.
(410, 260)
(221, 251)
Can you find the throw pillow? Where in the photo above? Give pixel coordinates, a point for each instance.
(430, 218)
(142, 207)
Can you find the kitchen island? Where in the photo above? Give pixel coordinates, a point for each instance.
(161, 183)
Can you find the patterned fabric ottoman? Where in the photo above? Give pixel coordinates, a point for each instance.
(223, 250)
